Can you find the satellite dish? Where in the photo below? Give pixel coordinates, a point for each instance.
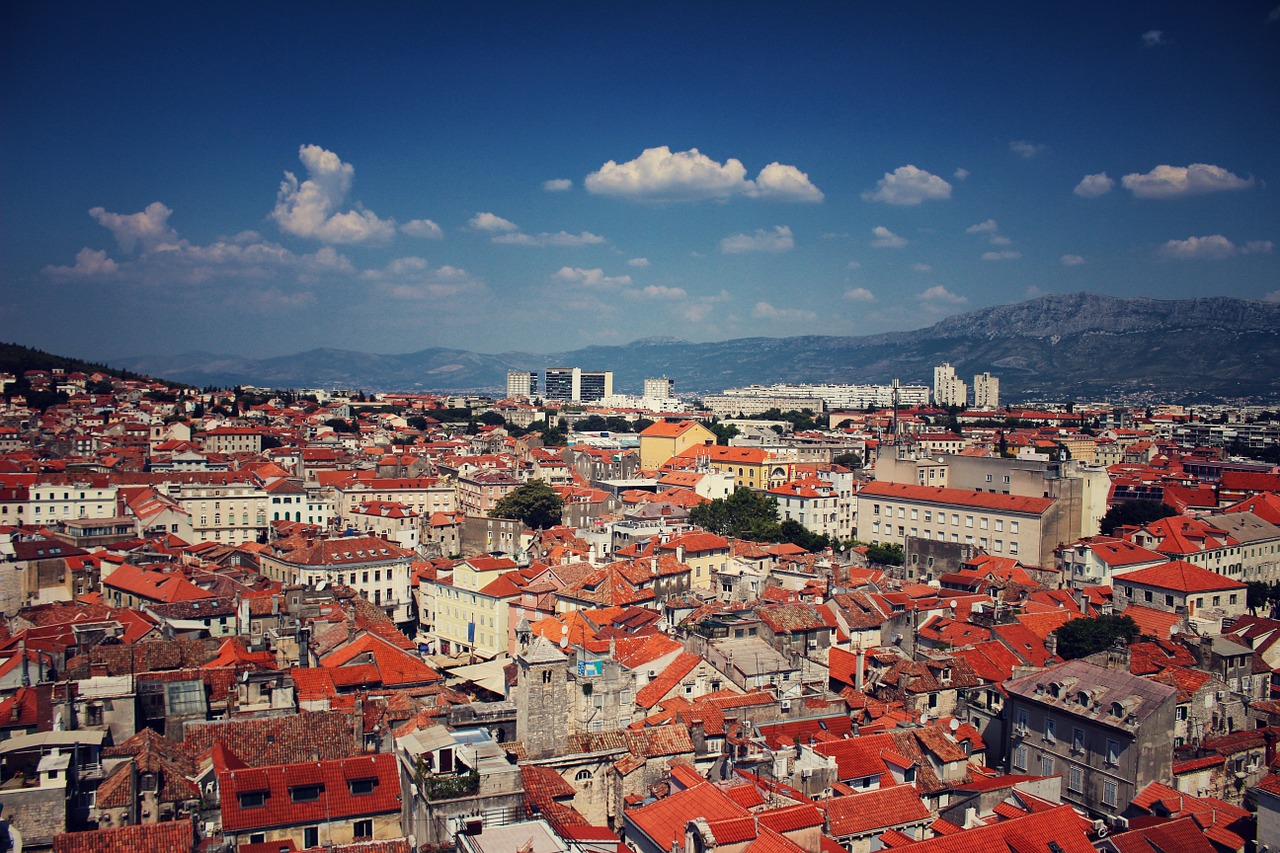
(952, 604)
(924, 717)
(954, 725)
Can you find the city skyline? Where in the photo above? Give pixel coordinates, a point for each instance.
(544, 178)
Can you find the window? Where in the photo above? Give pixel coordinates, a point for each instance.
(305, 794)
(968, 521)
(1046, 765)
(999, 525)
(1013, 547)
(1113, 753)
(1109, 792)
(311, 836)
(583, 776)
(359, 787)
(1075, 779)
(363, 829)
(1020, 758)
(1050, 730)
(1021, 724)
(252, 799)
(1077, 740)
(1180, 712)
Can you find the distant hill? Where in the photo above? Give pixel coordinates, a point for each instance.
(1081, 346)
(17, 359)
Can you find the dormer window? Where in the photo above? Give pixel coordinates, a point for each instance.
(305, 793)
(252, 799)
(360, 787)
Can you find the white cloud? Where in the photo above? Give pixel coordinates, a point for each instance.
(941, 296)
(853, 265)
(424, 228)
(960, 174)
(1027, 150)
(164, 259)
(777, 182)
(310, 208)
(593, 278)
(1214, 247)
(147, 229)
(638, 262)
(886, 239)
(922, 267)
(90, 263)
(1153, 38)
(1006, 255)
(860, 294)
(557, 185)
(777, 240)
(659, 291)
(1178, 181)
(491, 222)
(559, 238)
(1071, 260)
(1273, 296)
(908, 185)
(414, 279)
(660, 175)
(987, 227)
(1092, 186)
(765, 311)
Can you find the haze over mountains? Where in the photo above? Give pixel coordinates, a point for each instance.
(1080, 346)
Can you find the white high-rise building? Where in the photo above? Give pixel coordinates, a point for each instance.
(659, 389)
(986, 391)
(573, 384)
(521, 383)
(948, 389)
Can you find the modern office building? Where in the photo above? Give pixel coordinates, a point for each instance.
(573, 384)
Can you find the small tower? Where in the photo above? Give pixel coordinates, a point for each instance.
(542, 698)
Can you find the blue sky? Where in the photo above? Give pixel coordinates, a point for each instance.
(265, 179)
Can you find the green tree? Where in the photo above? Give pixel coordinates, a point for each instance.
(535, 503)
(641, 425)
(1083, 637)
(617, 423)
(797, 534)
(592, 423)
(848, 460)
(1134, 513)
(745, 514)
(889, 554)
(339, 425)
(492, 419)
(723, 432)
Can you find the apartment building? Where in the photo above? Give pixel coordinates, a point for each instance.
(1009, 525)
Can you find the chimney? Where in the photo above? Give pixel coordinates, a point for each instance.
(971, 818)
(653, 565)
(859, 669)
(1051, 644)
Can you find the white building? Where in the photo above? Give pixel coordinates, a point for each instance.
(986, 391)
(948, 390)
(659, 389)
(521, 384)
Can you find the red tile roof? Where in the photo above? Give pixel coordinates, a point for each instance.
(336, 800)
(169, 837)
(956, 497)
(875, 810)
(1180, 576)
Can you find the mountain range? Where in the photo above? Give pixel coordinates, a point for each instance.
(1062, 346)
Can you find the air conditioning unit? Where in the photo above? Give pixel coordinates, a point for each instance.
(1120, 824)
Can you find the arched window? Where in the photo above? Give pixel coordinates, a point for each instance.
(583, 776)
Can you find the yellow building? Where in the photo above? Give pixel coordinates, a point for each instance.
(469, 615)
(665, 439)
(752, 467)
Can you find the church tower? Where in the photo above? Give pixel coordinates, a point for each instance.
(542, 698)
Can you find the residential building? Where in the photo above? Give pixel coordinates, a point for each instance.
(999, 524)
(377, 569)
(522, 384)
(665, 439)
(1106, 732)
(659, 389)
(986, 391)
(1201, 597)
(948, 389)
(575, 385)
(233, 511)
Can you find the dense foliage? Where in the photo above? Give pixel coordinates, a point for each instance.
(536, 504)
(1083, 637)
(743, 515)
(1134, 513)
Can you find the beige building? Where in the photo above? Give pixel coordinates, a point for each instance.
(1008, 525)
(660, 441)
